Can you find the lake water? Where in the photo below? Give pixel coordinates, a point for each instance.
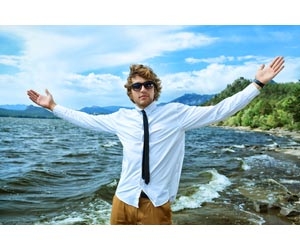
(52, 172)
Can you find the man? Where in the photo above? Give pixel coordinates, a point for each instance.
(144, 196)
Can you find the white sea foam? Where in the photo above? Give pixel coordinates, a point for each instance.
(244, 166)
(230, 150)
(287, 181)
(203, 193)
(255, 161)
(96, 212)
(238, 146)
(109, 144)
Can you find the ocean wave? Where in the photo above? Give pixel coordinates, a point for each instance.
(203, 192)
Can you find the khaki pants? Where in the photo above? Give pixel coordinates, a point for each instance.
(146, 214)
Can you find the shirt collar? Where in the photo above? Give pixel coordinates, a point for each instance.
(149, 108)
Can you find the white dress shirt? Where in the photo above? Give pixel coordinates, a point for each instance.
(167, 126)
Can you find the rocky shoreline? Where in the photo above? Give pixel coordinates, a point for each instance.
(294, 135)
(258, 208)
(288, 203)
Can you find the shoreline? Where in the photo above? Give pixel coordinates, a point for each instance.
(294, 135)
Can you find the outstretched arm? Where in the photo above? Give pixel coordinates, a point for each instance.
(45, 101)
(266, 74)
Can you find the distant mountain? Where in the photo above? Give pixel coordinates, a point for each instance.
(36, 112)
(101, 110)
(193, 99)
(14, 107)
(31, 111)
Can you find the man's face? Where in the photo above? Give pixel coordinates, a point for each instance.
(144, 96)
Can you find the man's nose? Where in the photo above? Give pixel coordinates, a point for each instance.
(143, 88)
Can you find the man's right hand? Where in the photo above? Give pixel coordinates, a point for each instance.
(45, 101)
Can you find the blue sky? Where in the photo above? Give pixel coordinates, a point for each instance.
(86, 65)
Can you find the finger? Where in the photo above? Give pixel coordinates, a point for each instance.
(32, 92)
(277, 62)
(262, 67)
(274, 61)
(279, 65)
(277, 70)
(33, 96)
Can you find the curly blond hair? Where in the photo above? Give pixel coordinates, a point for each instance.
(148, 74)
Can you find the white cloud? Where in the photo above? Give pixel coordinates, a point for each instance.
(291, 71)
(215, 77)
(67, 60)
(13, 61)
(100, 46)
(219, 59)
(52, 56)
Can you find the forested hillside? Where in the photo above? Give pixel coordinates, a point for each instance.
(277, 106)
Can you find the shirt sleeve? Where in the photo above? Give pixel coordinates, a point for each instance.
(103, 123)
(199, 116)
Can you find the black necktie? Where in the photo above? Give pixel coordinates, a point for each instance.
(145, 166)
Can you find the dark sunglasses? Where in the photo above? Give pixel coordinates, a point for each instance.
(138, 86)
